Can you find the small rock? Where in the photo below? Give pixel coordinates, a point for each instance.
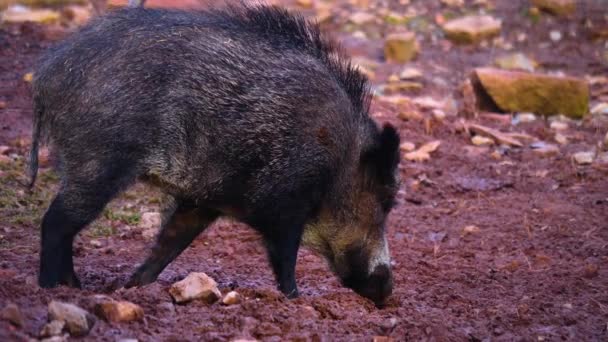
(20, 14)
(583, 158)
(383, 339)
(400, 47)
(77, 320)
(407, 146)
(561, 139)
(591, 271)
(526, 117)
(500, 137)
(453, 3)
(515, 91)
(231, 298)
(516, 61)
(53, 328)
(196, 285)
(401, 86)
(600, 109)
(556, 7)
(77, 15)
(323, 12)
(558, 126)
(28, 77)
(424, 152)
(545, 149)
(410, 74)
(555, 36)
(95, 243)
(479, 140)
(119, 311)
(606, 139)
(472, 29)
(471, 229)
(361, 18)
(62, 338)
(410, 115)
(2, 104)
(308, 4)
(11, 313)
(438, 114)
(5, 150)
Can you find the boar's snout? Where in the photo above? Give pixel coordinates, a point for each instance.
(378, 286)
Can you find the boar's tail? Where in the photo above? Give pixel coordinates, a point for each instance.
(36, 133)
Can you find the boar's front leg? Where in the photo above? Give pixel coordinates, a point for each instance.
(183, 222)
(282, 245)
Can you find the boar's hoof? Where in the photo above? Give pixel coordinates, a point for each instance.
(70, 280)
(293, 294)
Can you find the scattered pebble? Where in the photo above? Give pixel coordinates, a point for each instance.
(410, 73)
(2, 104)
(424, 152)
(561, 139)
(196, 285)
(602, 158)
(526, 117)
(21, 14)
(556, 7)
(516, 61)
(555, 36)
(559, 125)
(119, 311)
(544, 149)
(600, 109)
(361, 18)
(471, 229)
(407, 146)
(77, 320)
(438, 114)
(479, 140)
(231, 298)
(53, 328)
(401, 47)
(383, 339)
(472, 29)
(591, 271)
(583, 158)
(28, 77)
(12, 314)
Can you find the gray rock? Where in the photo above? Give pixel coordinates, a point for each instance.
(78, 321)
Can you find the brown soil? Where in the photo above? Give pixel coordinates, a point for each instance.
(535, 269)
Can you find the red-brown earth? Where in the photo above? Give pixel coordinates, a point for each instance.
(535, 269)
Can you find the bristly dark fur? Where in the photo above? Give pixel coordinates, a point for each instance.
(292, 30)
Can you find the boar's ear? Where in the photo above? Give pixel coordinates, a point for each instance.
(380, 161)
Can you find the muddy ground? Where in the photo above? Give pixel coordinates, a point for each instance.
(535, 269)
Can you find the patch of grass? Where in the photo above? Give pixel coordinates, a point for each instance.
(126, 217)
(99, 229)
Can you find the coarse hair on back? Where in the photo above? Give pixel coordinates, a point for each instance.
(288, 30)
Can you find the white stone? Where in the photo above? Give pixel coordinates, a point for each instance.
(196, 285)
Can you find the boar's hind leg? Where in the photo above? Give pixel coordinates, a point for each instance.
(79, 201)
(182, 224)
